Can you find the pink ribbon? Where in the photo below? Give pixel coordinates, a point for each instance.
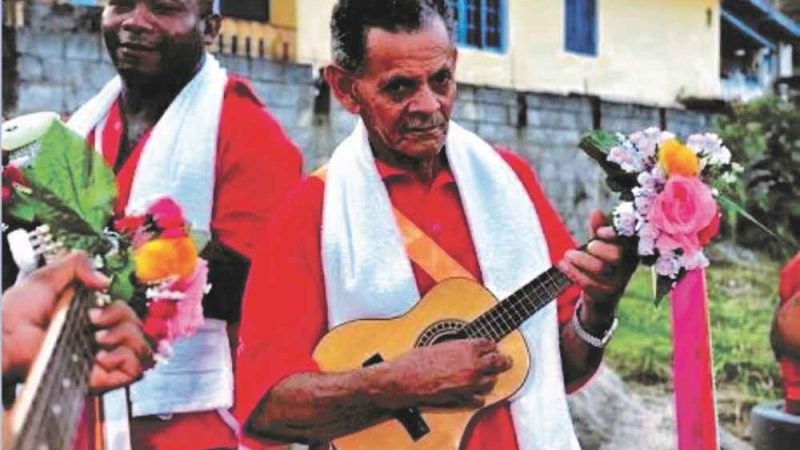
(695, 411)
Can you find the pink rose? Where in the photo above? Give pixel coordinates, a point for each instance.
(680, 212)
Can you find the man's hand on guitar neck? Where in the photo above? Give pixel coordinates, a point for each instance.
(28, 308)
(321, 407)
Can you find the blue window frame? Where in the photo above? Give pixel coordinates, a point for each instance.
(481, 23)
(581, 26)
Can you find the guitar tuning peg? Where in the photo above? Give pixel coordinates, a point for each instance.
(45, 245)
(22, 252)
(102, 299)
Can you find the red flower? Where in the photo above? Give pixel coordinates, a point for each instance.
(706, 234)
(129, 224)
(11, 176)
(159, 314)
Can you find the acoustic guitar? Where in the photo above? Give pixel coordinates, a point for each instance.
(52, 404)
(454, 309)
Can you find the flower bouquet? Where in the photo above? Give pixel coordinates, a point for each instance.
(60, 195)
(669, 192)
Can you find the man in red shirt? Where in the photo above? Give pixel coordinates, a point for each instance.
(394, 67)
(174, 123)
(786, 333)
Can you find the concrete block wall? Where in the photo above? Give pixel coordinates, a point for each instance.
(59, 70)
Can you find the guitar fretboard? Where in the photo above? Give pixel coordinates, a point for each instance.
(510, 313)
(60, 397)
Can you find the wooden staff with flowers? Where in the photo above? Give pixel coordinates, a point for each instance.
(670, 193)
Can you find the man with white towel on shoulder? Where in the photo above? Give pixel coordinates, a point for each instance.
(175, 123)
(334, 253)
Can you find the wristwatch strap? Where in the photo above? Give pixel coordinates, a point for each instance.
(594, 341)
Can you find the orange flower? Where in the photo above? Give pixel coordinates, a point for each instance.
(163, 258)
(678, 159)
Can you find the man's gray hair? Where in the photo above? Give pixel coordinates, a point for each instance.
(352, 19)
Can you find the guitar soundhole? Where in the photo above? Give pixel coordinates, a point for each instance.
(442, 331)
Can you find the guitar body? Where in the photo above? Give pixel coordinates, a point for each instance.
(444, 310)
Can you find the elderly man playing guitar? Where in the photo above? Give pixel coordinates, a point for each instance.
(408, 200)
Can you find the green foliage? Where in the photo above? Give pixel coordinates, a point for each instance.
(122, 266)
(66, 225)
(67, 167)
(764, 136)
(71, 190)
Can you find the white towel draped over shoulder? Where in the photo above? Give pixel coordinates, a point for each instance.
(178, 161)
(368, 274)
(179, 157)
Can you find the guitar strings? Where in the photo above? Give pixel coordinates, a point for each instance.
(519, 306)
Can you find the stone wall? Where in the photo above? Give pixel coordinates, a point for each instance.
(59, 69)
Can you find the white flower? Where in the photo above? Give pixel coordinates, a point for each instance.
(710, 148)
(720, 157)
(625, 219)
(695, 261)
(646, 247)
(647, 239)
(728, 178)
(665, 136)
(643, 204)
(643, 198)
(645, 142)
(667, 265)
(659, 176)
(627, 157)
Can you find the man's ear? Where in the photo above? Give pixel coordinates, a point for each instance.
(212, 24)
(342, 83)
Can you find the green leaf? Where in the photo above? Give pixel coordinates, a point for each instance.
(732, 206)
(75, 174)
(65, 224)
(21, 207)
(122, 266)
(122, 282)
(661, 287)
(597, 144)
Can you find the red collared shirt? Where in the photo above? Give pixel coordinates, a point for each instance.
(284, 310)
(256, 166)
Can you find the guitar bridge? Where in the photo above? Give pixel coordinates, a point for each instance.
(410, 418)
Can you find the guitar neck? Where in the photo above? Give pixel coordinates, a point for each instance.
(510, 313)
(52, 403)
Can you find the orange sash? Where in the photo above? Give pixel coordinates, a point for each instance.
(420, 248)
